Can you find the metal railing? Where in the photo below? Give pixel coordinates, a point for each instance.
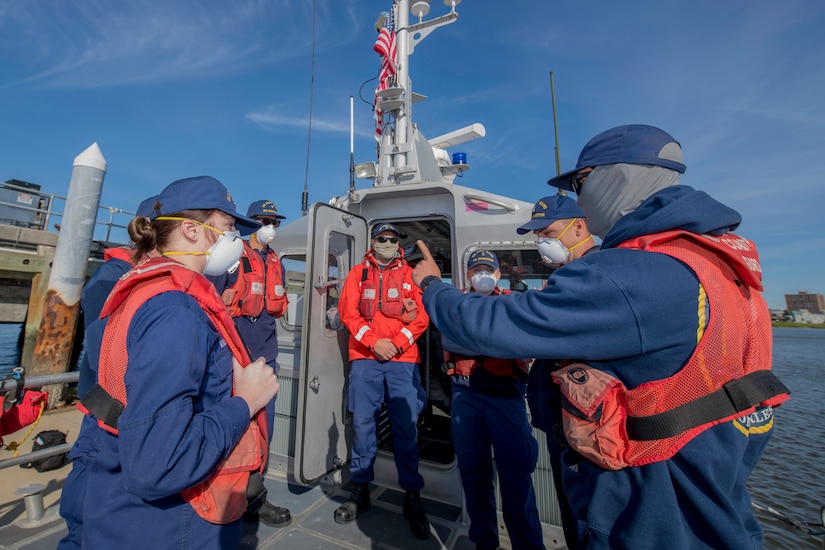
(38, 382)
(35, 209)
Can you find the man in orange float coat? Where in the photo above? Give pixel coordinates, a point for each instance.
(382, 309)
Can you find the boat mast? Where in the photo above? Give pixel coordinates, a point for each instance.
(398, 158)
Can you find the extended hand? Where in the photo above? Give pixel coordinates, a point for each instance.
(426, 266)
(257, 384)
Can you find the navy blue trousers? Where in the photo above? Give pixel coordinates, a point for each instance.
(483, 425)
(370, 384)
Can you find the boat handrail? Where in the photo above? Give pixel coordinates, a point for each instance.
(34, 456)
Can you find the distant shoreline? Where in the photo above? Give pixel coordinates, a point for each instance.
(797, 325)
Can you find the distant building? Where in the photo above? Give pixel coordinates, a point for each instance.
(779, 315)
(805, 316)
(814, 303)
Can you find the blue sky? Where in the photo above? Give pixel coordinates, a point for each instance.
(192, 87)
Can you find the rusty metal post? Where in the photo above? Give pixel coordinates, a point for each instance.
(37, 300)
(53, 347)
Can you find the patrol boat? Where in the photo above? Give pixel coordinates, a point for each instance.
(412, 185)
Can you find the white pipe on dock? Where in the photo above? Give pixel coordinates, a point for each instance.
(53, 346)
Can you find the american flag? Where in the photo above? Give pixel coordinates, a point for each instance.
(385, 47)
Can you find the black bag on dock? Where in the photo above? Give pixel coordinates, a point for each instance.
(44, 440)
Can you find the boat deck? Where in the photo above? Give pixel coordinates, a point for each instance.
(312, 509)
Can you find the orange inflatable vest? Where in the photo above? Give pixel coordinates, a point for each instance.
(383, 290)
(260, 284)
(727, 376)
(222, 497)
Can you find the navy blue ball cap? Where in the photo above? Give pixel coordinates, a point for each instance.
(482, 257)
(630, 144)
(549, 209)
(381, 227)
(201, 193)
(145, 206)
(264, 209)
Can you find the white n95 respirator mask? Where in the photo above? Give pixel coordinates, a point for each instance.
(224, 254)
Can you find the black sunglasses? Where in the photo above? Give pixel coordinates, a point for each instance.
(578, 180)
(270, 221)
(392, 240)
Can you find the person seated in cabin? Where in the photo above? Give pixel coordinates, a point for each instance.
(381, 308)
(255, 295)
(562, 236)
(179, 407)
(663, 443)
(489, 416)
(117, 261)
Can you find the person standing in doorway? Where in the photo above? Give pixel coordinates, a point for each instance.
(381, 308)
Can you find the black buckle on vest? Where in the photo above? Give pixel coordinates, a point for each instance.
(102, 406)
(734, 397)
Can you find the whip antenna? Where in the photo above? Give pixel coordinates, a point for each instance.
(305, 194)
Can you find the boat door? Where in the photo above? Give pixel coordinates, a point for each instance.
(336, 241)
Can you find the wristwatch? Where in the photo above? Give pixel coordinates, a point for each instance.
(427, 281)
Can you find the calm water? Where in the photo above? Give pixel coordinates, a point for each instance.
(9, 350)
(791, 476)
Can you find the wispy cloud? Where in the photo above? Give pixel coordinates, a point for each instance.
(93, 43)
(275, 119)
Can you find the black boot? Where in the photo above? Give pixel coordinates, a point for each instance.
(274, 516)
(414, 514)
(358, 503)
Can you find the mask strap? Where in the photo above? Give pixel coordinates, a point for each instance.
(565, 229)
(206, 253)
(578, 243)
(179, 219)
(589, 238)
(176, 218)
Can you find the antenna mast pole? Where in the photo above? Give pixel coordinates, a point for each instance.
(351, 147)
(556, 131)
(555, 124)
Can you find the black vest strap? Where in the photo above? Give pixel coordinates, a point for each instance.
(102, 406)
(734, 397)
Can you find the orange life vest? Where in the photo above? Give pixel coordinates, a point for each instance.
(119, 252)
(260, 284)
(221, 498)
(727, 376)
(383, 290)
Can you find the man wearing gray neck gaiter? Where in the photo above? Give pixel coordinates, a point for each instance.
(653, 354)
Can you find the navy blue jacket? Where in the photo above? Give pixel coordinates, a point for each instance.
(632, 314)
(180, 423)
(91, 302)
